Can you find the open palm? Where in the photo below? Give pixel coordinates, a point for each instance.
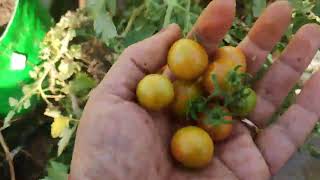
(117, 139)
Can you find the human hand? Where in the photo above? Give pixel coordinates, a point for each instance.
(118, 139)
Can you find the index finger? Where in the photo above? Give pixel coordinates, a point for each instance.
(213, 23)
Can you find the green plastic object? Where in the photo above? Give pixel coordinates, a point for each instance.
(19, 49)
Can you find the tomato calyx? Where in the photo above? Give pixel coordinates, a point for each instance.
(238, 85)
(216, 116)
(200, 109)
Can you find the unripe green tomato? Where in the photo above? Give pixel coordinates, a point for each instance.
(246, 105)
(155, 92)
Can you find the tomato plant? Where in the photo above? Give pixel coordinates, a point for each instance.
(226, 59)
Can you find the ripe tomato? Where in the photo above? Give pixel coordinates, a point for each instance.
(226, 59)
(184, 91)
(192, 146)
(217, 132)
(187, 59)
(233, 54)
(245, 105)
(155, 92)
(220, 69)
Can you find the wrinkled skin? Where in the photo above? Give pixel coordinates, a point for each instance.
(117, 139)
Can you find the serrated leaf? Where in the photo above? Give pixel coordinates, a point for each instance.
(13, 101)
(314, 151)
(82, 84)
(67, 69)
(64, 141)
(27, 104)
(33, 74)
(57, 171)
(138, 35)
(258, 6)
(52, 112)
(104, 27)
(316, 9)
(7, 119)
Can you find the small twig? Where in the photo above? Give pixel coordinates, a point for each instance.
(8, 156)
(133, 16)
(168, 15)
(55, 96)
(75, 105)
(44, 96)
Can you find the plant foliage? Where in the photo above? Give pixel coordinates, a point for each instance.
(81, 47)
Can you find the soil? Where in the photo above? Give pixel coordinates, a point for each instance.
(6, 9)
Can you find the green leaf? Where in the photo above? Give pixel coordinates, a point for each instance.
(82, 84)
(64, 141)
(138, 35)
(8, 118)
(296, 3)
(316, 9)
(314, 151)
(27, 104)
(104, 27)
(13, 101)
(258, 7)
(217, 89)
(216, 116)
(95, 7)
(300, 20)
(56, 171)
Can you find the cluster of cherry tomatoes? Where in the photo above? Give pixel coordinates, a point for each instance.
(206, 94)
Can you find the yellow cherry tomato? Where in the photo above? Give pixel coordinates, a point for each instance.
(220, 69)
(184, 91)
(187, 59)
(192, 147)
(233, 54)
(155, 92)
(226, 59)
(217, 132)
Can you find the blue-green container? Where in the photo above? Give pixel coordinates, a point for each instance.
(19, 49)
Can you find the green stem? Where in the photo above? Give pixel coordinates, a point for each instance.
(136, 12)
(187, 19)
(186, 10)
(168, 13)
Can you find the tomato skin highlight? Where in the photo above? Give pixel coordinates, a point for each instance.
(246, 105)
(192, 147)
(226, 59)
(155, 92)
(184, 91)
(217, 132)
(187, 59)
(232, 54)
